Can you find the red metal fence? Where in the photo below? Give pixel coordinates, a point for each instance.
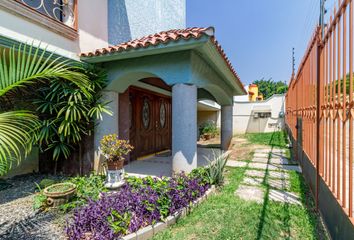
(320, 106)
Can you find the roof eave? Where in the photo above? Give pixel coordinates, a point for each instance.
(205, 45)
(176, 46)
(211, 53)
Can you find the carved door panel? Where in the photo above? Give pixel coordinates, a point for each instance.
(163, 123)
(151, 122)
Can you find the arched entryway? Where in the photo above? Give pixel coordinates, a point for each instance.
(145, 117)
(188, 72)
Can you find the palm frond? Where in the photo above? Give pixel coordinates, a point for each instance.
(26, 64)
(16, 130)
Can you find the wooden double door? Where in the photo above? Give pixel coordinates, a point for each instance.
(150, 122)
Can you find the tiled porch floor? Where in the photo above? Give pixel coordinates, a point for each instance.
(162, 165)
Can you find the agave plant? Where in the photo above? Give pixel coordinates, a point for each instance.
(215, 170)
(21, 67)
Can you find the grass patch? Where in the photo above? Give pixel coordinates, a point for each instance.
(225, 216)
(295, 182)
(275, 139)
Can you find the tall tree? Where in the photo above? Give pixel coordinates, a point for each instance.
(269, 87)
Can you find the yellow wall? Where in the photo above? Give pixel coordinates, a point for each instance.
(253, 89)
(255, 96)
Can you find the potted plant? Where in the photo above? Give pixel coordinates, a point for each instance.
(208, 130)
(60, 193)
(114, 150)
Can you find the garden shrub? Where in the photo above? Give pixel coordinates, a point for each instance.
(208, 127)
(46, 182)
(39, 201)
(87, 188)
(139, 203)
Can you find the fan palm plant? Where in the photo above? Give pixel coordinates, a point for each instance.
(20, 67)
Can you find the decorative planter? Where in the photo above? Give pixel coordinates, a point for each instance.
(115, 165)
(115, 173)
(60, 193)
(207, 136)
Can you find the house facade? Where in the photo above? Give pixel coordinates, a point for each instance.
(258, 116)
(158, 77)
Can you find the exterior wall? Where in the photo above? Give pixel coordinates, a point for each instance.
(92, 30)
(204, 116)
(130, 19)
(244, 122)
(93, 25)
(28, 165)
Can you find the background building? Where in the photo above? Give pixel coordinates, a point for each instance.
(258, 116)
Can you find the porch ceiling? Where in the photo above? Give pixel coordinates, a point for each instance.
(199, 42)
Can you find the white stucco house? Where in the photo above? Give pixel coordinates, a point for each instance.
(260, 116)
(162, 76)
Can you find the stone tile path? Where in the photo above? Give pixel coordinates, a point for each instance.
(250, 193)
(267, 176)
(236, 164)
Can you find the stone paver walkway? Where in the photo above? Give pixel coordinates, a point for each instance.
(236, 164)
(267, 176)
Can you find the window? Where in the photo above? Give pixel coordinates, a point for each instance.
(146, 113)
(60, 10)
(58, 16)
(262, 115)
(265, 115)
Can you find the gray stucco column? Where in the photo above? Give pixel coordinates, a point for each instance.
(109, 125)
(226, 126)
(184, 128)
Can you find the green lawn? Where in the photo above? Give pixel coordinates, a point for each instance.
(224, 216)
(275, 139)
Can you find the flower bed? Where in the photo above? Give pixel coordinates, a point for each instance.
(139, 203)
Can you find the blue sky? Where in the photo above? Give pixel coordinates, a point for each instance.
(258, 35)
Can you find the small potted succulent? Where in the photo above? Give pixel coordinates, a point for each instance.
(114, 149)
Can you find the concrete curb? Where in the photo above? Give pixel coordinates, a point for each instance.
(151, 230)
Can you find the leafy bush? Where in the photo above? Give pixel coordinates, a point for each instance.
(68, 113)
(39, 201)
(140, 202)
(208, 127)
(46, 182)
(202, 174)
(87, 188)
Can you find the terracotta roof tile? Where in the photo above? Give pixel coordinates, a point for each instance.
(164, 38)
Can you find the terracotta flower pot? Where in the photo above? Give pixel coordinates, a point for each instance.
(206, 136)
(115, 165)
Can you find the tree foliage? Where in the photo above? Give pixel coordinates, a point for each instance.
(68, 113)
(269, 87)
(21, 67)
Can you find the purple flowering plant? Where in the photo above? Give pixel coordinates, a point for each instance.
(139, 203)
